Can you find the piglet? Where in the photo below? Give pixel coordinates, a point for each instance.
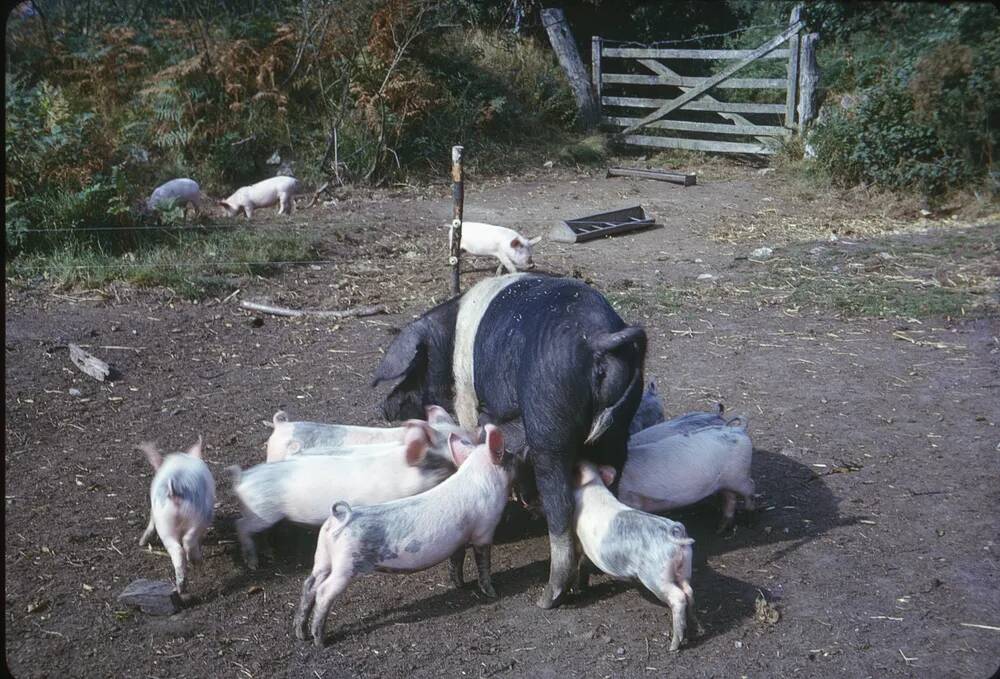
(281, 190)
(314, 438)
(687, 423)
(680, 469)
(487, 240)
(631, 545)
(414, 533)
(303, 488)
(180, 192)
(650, 410)
(182, 499)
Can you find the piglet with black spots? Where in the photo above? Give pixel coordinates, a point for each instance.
(182, 499)
(650, 410)
(676, 470)
(414, 533)
(631, 545)
(685, 424)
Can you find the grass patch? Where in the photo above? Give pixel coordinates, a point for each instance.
(949, 273)
(670, 299)
(195, 264)
(872, 297)
(589, 150)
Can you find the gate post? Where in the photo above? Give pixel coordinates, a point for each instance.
(561, 38)
(595, 70)
(793, 68)
(458, 204)
(808, 80)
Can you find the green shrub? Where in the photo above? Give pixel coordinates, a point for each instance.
(927, 81)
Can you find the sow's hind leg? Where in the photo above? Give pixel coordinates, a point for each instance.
(553, 476)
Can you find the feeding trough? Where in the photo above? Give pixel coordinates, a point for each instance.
(600, 225)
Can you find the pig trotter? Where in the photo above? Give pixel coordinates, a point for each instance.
(456, 566)
(694, 624)
(583, 574)
(560, 570)
(557, 500)
(482, 555)
(150, 529)
(246, 543)
(301, 624)
(728, 511)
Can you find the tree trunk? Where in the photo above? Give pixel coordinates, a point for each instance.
(561, 38)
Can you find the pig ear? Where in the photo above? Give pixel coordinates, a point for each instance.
(401, 354)
(607, 474)
(416, 441)
(494, 441)
(652, 386)
(460, 450)
(195, 449)
(438, 415)
(152, 454)
(516, 243)
(536, 239)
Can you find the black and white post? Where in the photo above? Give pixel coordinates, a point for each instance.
(455, 235)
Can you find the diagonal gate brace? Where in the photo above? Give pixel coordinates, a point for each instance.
(717, 78)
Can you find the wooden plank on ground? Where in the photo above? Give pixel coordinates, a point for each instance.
(700, 105)
(683, 178)
(652, 53)
(732, 83)
(708, 128)
(91, 365)
(698, 145)
(694, 92)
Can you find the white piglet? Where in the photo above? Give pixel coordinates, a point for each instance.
(280, 190)
(181, 192)
(677, 470)
(413, 533)
(302, 488)
(182, 499)
(488, 240)
(314, 438)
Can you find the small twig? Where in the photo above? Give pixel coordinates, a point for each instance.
(318, 313)
(231, 295)
(972, 624)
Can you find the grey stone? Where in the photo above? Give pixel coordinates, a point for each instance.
(156, 597)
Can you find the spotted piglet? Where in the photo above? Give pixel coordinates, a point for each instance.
(628, 544)
(182, 499)
(414, 533)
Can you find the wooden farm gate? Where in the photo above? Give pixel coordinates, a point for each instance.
(626, 111)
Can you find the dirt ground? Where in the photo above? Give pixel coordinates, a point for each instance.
(876, 449)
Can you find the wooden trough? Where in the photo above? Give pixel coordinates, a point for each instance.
(601, 225)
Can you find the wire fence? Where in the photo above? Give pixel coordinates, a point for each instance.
(694, 39)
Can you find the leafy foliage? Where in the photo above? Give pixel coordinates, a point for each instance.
(104, 103)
